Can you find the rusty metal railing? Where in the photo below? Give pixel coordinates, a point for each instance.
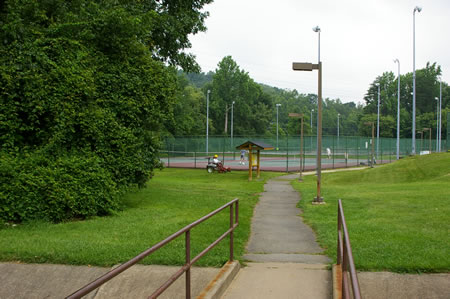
(189, 262)
(345, 259)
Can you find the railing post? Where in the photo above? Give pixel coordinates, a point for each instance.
(231, 233)
(188, 261)
(345, 289)
(236, 209)
(195, 159)
(339, 233)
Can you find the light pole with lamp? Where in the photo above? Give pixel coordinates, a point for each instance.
(378, 118)
(338, 131)
(437, 124)
(398, 110)
(207, 118)
(277, 105)
(413, 149)
(440, 114)
(232, 105)
(305, 66)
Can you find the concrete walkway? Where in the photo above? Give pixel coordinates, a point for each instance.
(285, 259)
(58, 281)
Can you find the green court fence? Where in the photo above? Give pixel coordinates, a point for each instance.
(342, 144)
(337, 152)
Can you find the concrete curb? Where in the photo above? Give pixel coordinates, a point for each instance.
(217, 287)
(337, 277)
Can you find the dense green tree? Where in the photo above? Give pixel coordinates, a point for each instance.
(85, 80)
(427, 88)
(251, 108)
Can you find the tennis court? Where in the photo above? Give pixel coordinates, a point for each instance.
(270, 161)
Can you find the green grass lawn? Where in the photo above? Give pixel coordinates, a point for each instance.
(398, 215)
(172, 199)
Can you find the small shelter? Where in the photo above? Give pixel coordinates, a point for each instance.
(252, 146)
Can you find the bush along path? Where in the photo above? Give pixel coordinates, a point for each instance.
(285, 260)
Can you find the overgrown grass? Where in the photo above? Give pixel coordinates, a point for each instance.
(173, 199)
(398, 215)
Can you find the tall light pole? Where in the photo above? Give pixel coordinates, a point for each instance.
(302, 66)
(440, 114)
(317, 29)
(277, 105)
(207, 118)
(338, 130)
(437, 124)
(398, 110)
(419, 9)
(232, 105)
(378, 118)
(319, 199)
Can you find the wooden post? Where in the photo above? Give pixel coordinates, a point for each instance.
(250, 162)
(257, 165)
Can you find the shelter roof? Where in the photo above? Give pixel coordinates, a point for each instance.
(258, 145)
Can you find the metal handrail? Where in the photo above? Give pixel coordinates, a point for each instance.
(189, 262)
(345, 258)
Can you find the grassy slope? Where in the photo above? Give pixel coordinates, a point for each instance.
(173, 199)
(398, 215)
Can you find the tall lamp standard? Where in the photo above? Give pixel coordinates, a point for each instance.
(305, 66)
(440, 114)
(419, 9)
(278, 105)
(437, 124)
(338, 131)
(378, 118)
(232, 105)
(207, 118)
(398, 110)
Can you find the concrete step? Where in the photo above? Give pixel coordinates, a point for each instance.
(281, 280)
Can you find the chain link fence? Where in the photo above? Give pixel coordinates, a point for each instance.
(337, 152)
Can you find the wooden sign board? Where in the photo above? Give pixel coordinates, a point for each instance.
(296, 115)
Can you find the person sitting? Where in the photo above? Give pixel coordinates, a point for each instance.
(216, 160)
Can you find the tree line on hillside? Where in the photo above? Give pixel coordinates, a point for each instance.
(255, 112)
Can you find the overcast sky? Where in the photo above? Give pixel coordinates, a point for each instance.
(359, 40)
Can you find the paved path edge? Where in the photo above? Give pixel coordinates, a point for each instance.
(217, 287)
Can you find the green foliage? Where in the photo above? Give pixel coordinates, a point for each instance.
(427, 89)
(252, 108)
(35, 186)
(89, 80)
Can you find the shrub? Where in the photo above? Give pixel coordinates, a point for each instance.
(36, 186)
